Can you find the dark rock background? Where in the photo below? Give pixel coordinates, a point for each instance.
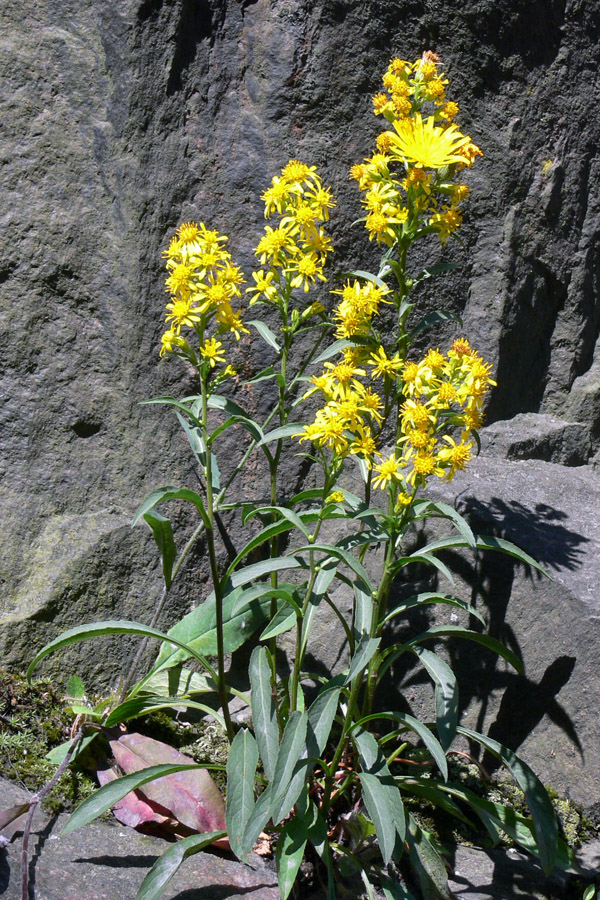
(121, 118)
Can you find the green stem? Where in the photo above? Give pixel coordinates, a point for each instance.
(214, 569)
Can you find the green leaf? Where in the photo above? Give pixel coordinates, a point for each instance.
(364, 653)
(428, 738)
(424, 556)
(163, 536)
(293, 744)
(516, 826)
(259, 817)
(428, 597)
(368, 276)
(194, 437)
(381, 794)
(75, 688)
(263, 375)
(241, 770)
(447, 512)
(105, 797)
(298, 521)
(176, 404)
(430, 271)
(363, 606)
(169, 493)
(244, 611)
(542, 811)
(284, 431)
(266, 334)
(486, 542)
(427, 863)
(334, 349)
(343, 556)
(143, 703)
(290, 853)
(395, 890)
(437, 631)
(446, 694)
(317, 835)
(434, 318)
(425, 790)
(57, 754)
(102, 629)
(283, 620)
(167, 865)
(266, 534)
(321, 715)
(264, 713)
(376, 794)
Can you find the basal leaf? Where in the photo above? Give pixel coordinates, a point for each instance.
(264, 715)
(167, 865)
(241, 770)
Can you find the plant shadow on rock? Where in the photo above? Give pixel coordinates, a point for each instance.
(491, 581)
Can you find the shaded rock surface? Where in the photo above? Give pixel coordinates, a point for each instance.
(538, 436)
(548, 714)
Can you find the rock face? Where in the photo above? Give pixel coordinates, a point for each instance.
(122, 118)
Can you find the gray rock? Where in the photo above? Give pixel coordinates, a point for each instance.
(548, 715)
(538, 436)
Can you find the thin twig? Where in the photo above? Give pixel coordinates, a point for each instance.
(37, 798)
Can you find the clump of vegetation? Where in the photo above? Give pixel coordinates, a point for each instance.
(34, 718)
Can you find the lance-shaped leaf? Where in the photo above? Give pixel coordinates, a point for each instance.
(291, 751)
(436, 631)
(380, 793)
(538, 801)
(160, 495)
(266, 334)
(290, 853)
(102, 629)
(241, 769)
(105, 797)
(167, 865)
(10, 820)
(427, 863)
(432, 597)
(264, 714)
(446, 694)
(243, 613)
(364, 653)
(163, 536)
(191, 797)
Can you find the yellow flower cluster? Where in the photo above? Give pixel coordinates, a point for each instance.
(359, 303)
(295, 250)
(408, 182)
(203, 285)
(441, 402)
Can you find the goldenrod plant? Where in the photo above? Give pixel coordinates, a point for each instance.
(325, 766)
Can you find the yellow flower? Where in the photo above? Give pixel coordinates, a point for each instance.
(277, 196)
(295, 172)
(168, 341)
(364, 445)
(426, 145)
(263, 288)
(211, 351)
(230, 321)
(385, 365)
(455, 455)
(188, 232)
(179, 280)
(336, 497)
(388, 472)
(182, 312)
(274, 244)
(305, 270)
